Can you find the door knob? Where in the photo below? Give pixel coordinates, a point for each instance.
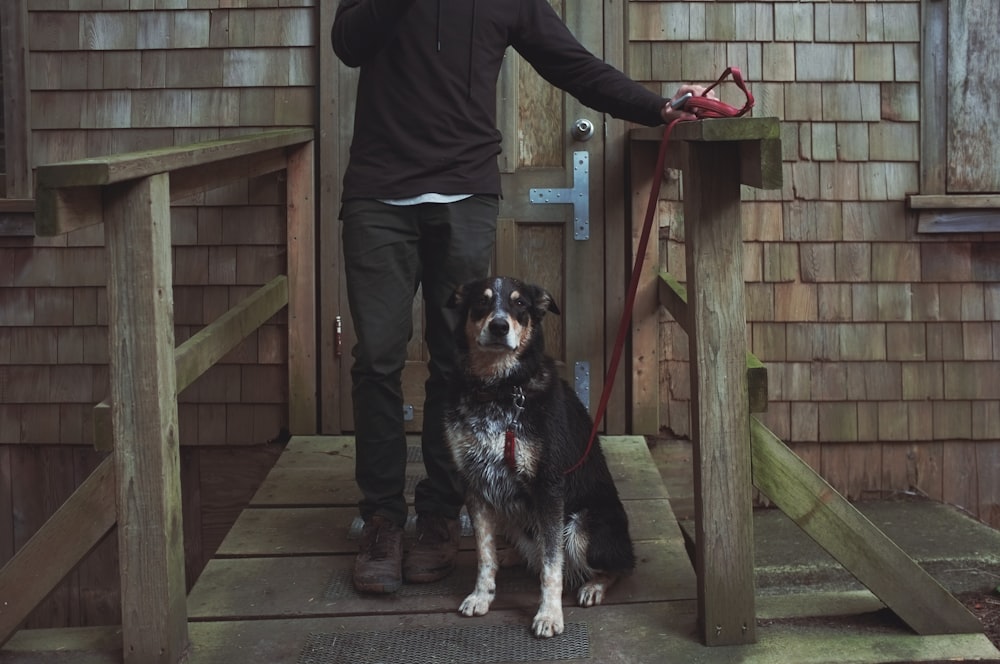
(583, 129)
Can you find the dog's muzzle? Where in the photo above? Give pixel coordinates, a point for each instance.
(498, 332)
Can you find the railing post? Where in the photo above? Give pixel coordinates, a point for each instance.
(720, 424)
(301, 216)
(144, 420)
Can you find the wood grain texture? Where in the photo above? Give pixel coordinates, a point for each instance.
(673, 297)
(56, 548)
(143, 389)
(717, 340)
(973, 137)
(850, 537)
(301, 242)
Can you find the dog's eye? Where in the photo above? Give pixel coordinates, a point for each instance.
(520, 302)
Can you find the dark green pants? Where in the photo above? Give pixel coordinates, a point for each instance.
(388, 252)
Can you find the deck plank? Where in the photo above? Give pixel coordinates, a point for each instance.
(321, 585)
(289, 531)
(641, 633)
(319, 470)
(286, 569)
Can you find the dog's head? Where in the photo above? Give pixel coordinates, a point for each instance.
(500, 318)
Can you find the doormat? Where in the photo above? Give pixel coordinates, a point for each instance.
(486, 644)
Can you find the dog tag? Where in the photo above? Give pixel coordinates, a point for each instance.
(510, 449)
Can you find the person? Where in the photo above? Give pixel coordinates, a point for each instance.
(419, 209)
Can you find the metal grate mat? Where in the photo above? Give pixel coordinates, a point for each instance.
(484, 644)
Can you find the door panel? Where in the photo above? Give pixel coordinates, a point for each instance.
(535, 242)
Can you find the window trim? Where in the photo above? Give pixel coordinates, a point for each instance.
(937, 211)
(17, 216)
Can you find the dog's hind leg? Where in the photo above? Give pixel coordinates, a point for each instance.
(484, 525)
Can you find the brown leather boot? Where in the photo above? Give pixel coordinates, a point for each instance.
(378, 567)
(432, 555)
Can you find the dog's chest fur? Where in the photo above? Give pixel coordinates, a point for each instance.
(478, 433)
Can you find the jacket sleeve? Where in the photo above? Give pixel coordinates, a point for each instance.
(362, 27)
(543, 39)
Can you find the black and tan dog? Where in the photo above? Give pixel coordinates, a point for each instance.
(515, 428)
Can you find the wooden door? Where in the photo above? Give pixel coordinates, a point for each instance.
(538, 242)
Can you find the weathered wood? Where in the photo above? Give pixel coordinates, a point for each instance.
(759, 145)
(714, 130)
(186, 182)
(65, 205)
(26, 205)
(877, 562)
(144, 418)
(760, 163)
(59, 211)
(645, 332)
(615, 216)
(302, 355)
(134, 165)
(210, 344)
(17, 224)
(673, 297)
(934, 97)
(333, 136)
(973, 137)
(954, 221)
(293, 585)
(17, 217)
(56, 548)
(719, 408)
(17, 124)
(953, 201)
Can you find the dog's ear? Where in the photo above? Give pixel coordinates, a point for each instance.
(543, 301)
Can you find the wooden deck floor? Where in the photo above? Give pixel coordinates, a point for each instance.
(279, 591)
(287, 564)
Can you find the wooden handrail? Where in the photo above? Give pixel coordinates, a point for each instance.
(732, 449)
(134, 165)
(209, 345)
(69, 194)
(131, 195)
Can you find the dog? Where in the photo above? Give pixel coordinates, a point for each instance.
(515, 428)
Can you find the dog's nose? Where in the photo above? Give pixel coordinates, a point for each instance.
(499, 327)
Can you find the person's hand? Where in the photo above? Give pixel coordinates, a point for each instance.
(670, 114)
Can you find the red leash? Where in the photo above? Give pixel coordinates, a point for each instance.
(703, 108)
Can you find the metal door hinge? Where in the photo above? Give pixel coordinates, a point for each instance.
(578, 196)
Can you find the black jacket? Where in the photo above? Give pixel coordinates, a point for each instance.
(426, 104)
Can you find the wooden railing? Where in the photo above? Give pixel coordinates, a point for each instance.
(733, 451)
(137, 487)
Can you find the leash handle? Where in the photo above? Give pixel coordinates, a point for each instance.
(702, 107)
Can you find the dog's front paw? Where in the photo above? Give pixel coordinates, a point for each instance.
(476, 604)
(547, 623)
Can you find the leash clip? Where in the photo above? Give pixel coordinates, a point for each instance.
(518, 398)
(510, 440)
